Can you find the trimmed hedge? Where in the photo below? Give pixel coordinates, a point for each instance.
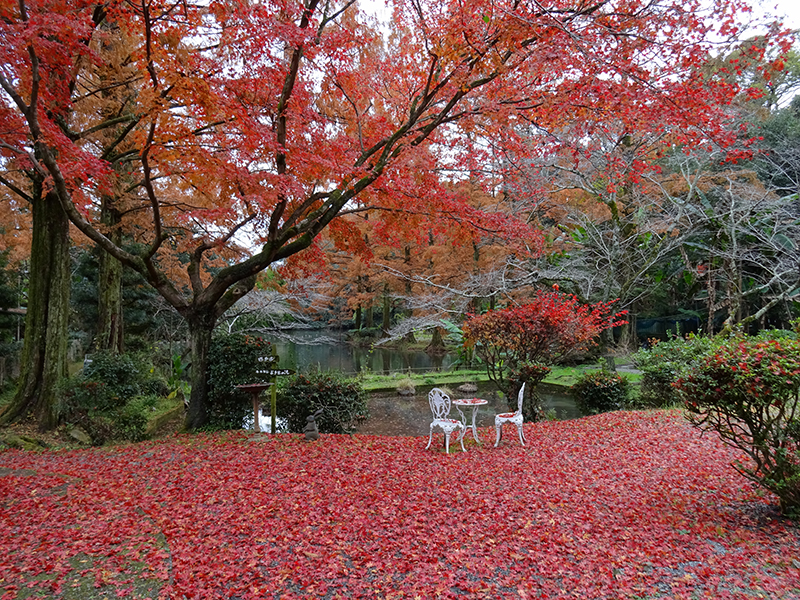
(600, 391)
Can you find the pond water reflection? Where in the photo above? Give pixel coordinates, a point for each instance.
(302, 350)
(391, 414)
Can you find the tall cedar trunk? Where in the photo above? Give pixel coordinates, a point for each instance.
(44, 352)
(110, 324)
(369, 317)
(201, 328)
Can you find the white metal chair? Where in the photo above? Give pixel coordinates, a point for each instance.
(515, 418)
(440, 407)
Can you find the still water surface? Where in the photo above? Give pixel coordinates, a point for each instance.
(326, 350)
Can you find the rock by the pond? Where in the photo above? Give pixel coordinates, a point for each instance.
(468, 387)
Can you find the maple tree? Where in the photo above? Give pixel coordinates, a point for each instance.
(550, 328)
(623, 505)
(253, 126)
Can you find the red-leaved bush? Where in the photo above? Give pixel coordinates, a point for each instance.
(747, 390)
(621, 505)
(550, 329)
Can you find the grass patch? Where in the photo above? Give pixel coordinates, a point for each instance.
(559, 375)
(373, 382)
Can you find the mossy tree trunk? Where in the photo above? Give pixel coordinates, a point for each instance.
(44, 351)
(201, 318)
(201, 328)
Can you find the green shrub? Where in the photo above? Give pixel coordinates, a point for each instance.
(666, 361)
(232, 361)
(131, 420)
(343, 402)
(110, 398)
(747, 391)
(119, 373)
(600, 391)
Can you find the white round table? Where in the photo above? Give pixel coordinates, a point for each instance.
(473, 403)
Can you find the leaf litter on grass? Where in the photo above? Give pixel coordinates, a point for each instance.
(621, 505)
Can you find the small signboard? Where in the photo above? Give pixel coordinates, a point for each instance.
(275, 372)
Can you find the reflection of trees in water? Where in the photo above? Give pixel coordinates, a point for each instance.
(303, 350)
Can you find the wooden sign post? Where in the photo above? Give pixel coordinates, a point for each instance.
(255, 389)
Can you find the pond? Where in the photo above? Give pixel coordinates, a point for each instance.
(391, 413)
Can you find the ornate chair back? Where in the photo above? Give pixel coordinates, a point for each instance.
(440, 407)
(519, 400)
(440, 403)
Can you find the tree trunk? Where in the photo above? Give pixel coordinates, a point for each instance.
(408, 312)
(387, 313)
(357, 318)
(437, 342)
(110, 324)
(201, 328)
(369, 317)
(44, 352)
(627, 334)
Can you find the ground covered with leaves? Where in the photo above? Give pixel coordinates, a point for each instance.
(621, 505)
